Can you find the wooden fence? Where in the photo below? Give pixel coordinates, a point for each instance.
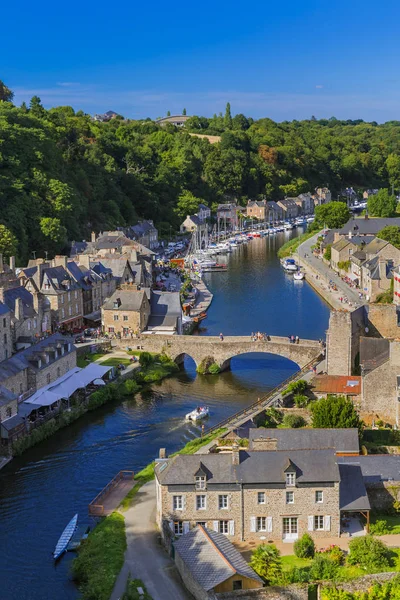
(96, 507)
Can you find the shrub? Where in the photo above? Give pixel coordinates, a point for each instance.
(380, 527)
(323, 567)
(296, 387)
(293, 421)
(145, 359)
(214, 369)
(130, 387)
(266, 562)
(297, 575)
(368, 552)
(335, 554)
(328, 252)
(304, 547)
(301, 400)
(275, 414)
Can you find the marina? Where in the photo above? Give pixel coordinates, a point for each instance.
(63, 474)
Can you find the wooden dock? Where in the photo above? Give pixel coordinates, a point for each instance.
(112, 495)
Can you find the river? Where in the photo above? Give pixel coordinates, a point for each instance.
(43, 489)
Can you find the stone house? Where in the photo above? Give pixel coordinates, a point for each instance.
(8, 404)
(383, 249)
(289, 208)
(208, 563)
(253, 495)
(11, 427)
(145, 233)
(61, 290)
(257, 209)
(275, 212)
(90, 283)
(165, 313)
(305, 202)
(356, 261)
(343, 249)
(364, 226)
(6, 346)
(203, 212)
(227, 215)
(191, 223)
(30, 315)
(38, 365)
(126, 312)
(338, 385)
(322, 195)
(376, 277)
(345, 442)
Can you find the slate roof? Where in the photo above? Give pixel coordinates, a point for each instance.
(368, 226)
(254, 467)
(11, 295)
(4, 309)
(211, 558)
(116, 265)
(375, 246)
(352, 493)
(165, 304)
(6, 396)
(342, 440)
(130, 300)
(375, 468)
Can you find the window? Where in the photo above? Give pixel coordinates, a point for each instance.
(29, 324)
(125, 317)
(261, 497)
(69, 296)
(200, 482)
(69, 310)
(62, 313)
(319, 523)
(236, 585)
(289, 526)
(202, 523)
(290, 478)
(76, 294)
(76, 308)
(223, 501)
(58, 372)
(261, 523)
(289, 497)
(116, 317)
(201, 502)
(48, 377)
(223, 527)
(62, 298)
(111, 330)
(319, 497)
(8, 411)
(177, 502)
(178, 527)
(5, 338)
(4, 322)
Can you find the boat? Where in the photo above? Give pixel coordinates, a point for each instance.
(200, 317)
(65, 538)
(289, 264)
(299, 275)
(201, 412)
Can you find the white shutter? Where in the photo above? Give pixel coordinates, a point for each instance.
(310, 523)
(185, 526)
(183, 502)
(231, 527)
(215, 526)
(252, 524)
(327, 523)
(171, 526)
(269, 524)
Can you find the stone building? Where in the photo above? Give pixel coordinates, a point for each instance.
(30, 315)
(5, 332)
(343, 249)
(227, 216)
(322, 196)
(91, 284)
(305, 202)
(337, 385)
(191, 223)
(208, 563)
(38, 365)
(253, 495)
(145, 233)
(126, 312)
(289, 208)
(257, 209)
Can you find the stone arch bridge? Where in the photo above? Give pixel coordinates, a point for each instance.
(220, 352)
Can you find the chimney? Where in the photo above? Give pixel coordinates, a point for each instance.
(84, 260)
(19, 309)
(349, 235)
(235, 453)
(12, 263)
(1, 263)
(382, 270)
(35, 297)
(162, 453)
(1, 294)
(60, 261)
(93, 237)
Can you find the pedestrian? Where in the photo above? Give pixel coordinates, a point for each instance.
(297, 339)
(221, 337)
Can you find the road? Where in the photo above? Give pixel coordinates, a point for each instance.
(145, 558)
(327, 274)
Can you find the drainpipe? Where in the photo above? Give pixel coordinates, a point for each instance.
(242, 507)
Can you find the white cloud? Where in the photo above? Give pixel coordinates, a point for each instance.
(319, 87)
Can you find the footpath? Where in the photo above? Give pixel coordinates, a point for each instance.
(203, 300)
(318, 275)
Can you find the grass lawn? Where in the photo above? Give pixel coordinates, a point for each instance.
(82, 362)
(132, 593)
(291, 561)
(393, 521)
(113, 362)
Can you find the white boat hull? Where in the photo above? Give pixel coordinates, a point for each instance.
(197, 415)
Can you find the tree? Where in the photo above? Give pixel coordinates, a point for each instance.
(35, 106)
(369, 552)
(184, 112)
(228, 117)
(293, 421)
(24, 107)
(54, 232)
(382, 204)
(187, 204)
(391, 234)
(239, 121)
(333, 215)
(266, 562)
(6, 95)
(145, 359)
(8, 242)
(335, 412)
(304, 547)
(393, 169)
(168, 113)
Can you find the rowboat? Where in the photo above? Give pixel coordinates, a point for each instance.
(65, 537)
(198, 413)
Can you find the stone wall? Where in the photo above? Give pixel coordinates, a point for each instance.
(189, 581)
(379, 389)
(289, 592)
(382, 321)
(5, 336)
(343, 340)
(363, 584)
(382, 494)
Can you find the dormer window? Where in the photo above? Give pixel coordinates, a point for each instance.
(200, 482)
(290, 479)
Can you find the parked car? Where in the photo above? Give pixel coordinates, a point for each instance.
(79, 339)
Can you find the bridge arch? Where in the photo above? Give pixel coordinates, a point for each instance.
(180, 357)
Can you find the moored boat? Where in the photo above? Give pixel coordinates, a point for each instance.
(65, 537)
(289, 264)
(198, 413)
(299, 275)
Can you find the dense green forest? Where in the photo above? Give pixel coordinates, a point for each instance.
(63, 174)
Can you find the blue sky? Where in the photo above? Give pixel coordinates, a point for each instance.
(282, 60)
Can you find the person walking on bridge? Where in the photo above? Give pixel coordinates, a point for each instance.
(221, 337)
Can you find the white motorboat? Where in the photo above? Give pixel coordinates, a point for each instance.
(288, 226)
(289, 264)
(299, 275)
(201, 412)
(207, 263)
